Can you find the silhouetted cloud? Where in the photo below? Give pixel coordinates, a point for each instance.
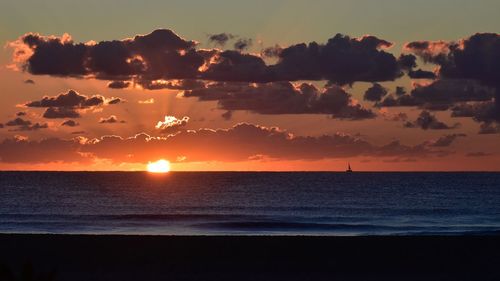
(18, 122)
(118, 84)
(445, 140)
(21, 113)
(71, 98)
(61, 112)
(29, 81)
(421, 74)
(25, 125)
(220, 39)
(272, 52)
(375, 92)
(163, 55)
(489, 128)
(283, 98)
(227, 115)
(70, 123)
(428, 121)
(476, 57)
(240, 142)
(440, 95)
(243, 44)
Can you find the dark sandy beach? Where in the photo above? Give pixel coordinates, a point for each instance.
(92, 257)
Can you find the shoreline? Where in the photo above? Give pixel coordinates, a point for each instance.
(152, 257)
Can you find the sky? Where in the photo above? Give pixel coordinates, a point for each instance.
(250, 85)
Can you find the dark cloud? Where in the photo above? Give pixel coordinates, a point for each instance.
(70, 123)
(421, 74)
(118, 84)
(375, 92)
(400, 91)
(70, 104)
(1, 126)
(272, 52)
(489, 128)
(163, 55)
(476, 57)
(242, 44)
(61, 112)
(283, 98)
(29, 81)
(18, 122)
(445, 140)
(21, 150)
(112, 119)
(427, 121)
(25, 125)
(220, 39)
(240, 142)
(227, 115)
(171, 124)
(115, 101)
(69, 99)
(440, 95)
(21, 113)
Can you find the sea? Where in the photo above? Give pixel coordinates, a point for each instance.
(251, 203)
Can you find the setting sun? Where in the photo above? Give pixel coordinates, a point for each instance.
(160, 166)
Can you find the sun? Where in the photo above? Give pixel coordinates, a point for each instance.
(160, 166)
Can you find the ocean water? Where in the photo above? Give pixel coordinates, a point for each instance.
(247, 203)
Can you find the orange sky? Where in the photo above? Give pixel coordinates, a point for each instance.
(236, 126)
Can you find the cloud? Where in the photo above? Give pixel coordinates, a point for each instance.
(22, 150)
(283, 98)
(21, 113)
(61, 112)
(18, 122)
(171, 124)
(242, 44)
(25, 125)
(227, 115)
(220, 39)
(163, 55)
(118, 84)
(375, 93)
(445, 140)
(421, 74)
(489, 128)
(440, 94)
(112, 119)
(476, 57)
(29, 81)
(70, 123)
(427, 121)
(115, 101)
(71, 98)
(272, 52)
(241, 142)
(70, 104)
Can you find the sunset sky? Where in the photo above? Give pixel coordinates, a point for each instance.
(250, 85)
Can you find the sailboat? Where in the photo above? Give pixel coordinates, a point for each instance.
(349, 170)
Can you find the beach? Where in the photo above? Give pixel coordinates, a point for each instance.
(135, 257)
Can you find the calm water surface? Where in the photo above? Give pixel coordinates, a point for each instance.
(234, 203)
